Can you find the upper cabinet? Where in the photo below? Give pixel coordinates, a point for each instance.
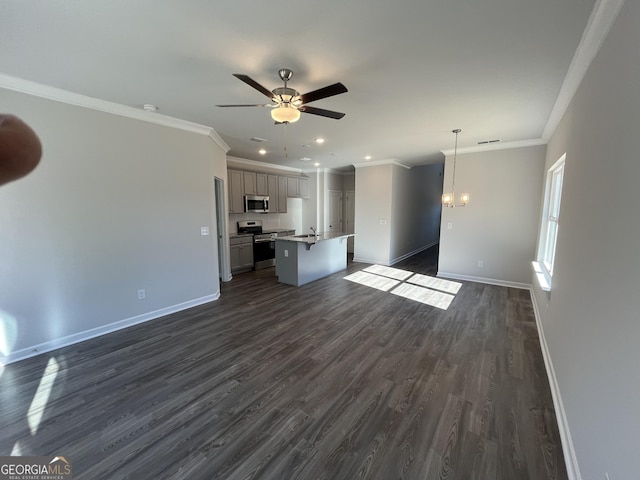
(255, 183)
(236, 191)
(303, 187)
(250, 187)
(277, 187)
(282, 194)
(298, 187)
(261, 184)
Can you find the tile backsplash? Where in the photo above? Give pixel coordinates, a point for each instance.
(291, 220)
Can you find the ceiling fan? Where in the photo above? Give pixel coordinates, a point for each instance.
(287, 103)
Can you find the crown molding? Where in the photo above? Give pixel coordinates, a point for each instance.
(217, 139)
(255, 163)
(377, 163)
(334, 171)
(533, 142)
(64, 96)
(602, 17)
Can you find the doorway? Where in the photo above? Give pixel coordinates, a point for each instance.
(224, 270)
(349, 219)
(335, 211)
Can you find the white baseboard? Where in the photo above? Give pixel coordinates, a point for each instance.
(388, 263)
(411, 254)
(373, 261)
(489, 281)
(570, 458)
(56, 343)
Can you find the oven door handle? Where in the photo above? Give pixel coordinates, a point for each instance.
(264, 240)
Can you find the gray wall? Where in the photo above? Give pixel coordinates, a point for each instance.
(590, 319)
(349, 181)
(397, 211)
(373, 214)
(499, 226)
(416, 209)
(115, 206)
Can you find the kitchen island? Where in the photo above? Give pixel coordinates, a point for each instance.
(301, 259)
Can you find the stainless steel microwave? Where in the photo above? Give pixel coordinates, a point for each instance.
(256, 203)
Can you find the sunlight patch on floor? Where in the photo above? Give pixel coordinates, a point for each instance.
(435, 283)
(16, 451)
(432, 291)
(41, 398)
(373, 281)
(390, 272)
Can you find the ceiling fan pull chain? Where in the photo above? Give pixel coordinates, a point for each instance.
(284, 140)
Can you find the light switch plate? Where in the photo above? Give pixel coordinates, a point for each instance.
(204, 230)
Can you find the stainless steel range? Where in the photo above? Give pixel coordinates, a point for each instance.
(264, 244)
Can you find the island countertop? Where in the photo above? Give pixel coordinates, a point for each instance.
(312, 239)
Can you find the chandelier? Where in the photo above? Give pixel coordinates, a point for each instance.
(449, 199)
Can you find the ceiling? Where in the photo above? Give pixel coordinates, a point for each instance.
(415, 69)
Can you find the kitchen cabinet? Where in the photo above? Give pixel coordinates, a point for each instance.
(277, 188)
(298, 187)
(303, 187)
(250, 187)
(236, 191)
(261, 184)
(241, 253)
(255, 183)
(282, 194)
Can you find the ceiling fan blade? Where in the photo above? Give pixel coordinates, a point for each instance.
(252, 83)
(257, 105)
(329, 91)
(322, 112)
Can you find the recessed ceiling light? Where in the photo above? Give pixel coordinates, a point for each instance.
(149, 107)
(316, 164)
(319, 141)
(368, 157)
(262, 151)
(305, 159)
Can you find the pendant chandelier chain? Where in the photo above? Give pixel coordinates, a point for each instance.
(455, 156)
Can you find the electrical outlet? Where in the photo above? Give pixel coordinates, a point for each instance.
(449, 226)
(286, 253)
(142, 294)
(480, 264)
(204, 231)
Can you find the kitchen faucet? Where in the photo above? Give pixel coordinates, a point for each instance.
(313, 230)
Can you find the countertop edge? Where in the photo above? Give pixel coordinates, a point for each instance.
(321, 237)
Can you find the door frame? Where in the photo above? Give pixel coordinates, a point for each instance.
(222, 239)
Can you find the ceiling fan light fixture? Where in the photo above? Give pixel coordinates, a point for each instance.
(285, 114)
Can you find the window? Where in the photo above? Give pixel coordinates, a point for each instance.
(549, 227)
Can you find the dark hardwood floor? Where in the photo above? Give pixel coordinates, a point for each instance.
(332, 380)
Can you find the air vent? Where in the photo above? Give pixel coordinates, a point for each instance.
(488, 141)
(258, 139)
